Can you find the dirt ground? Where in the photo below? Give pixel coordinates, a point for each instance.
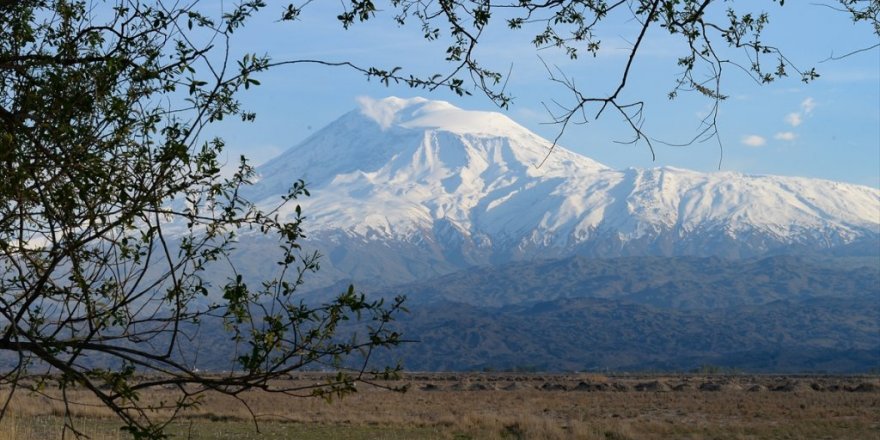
(511, 406)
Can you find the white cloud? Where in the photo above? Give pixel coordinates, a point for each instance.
(384, 111)
(797, 118)
(785, 136)
(754, 140)
(808, 105)
(794, 119)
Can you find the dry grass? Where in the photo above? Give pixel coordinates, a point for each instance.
(511, 407)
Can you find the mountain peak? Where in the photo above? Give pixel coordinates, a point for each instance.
(387, 112)
(404, 188)
(421, 113)
(417, 138)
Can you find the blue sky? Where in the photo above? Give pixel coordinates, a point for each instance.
(827, 129)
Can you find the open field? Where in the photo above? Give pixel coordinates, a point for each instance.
(512, 406)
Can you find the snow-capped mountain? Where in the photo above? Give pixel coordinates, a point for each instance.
(405, 188)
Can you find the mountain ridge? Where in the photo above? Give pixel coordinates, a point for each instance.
(462, 188)
(680, 283)
(574, 265)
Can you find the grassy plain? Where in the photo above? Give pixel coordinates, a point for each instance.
(509, 406)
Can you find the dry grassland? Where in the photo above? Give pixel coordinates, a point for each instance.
(509, 406)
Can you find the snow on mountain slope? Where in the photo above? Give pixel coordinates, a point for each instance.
(397, 164)
(452, 181)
